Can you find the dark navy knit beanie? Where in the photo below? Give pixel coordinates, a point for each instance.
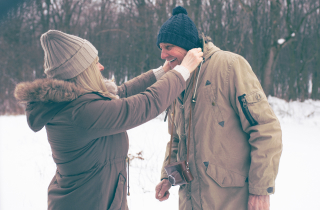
(179, 30)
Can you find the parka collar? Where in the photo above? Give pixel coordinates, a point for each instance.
(208, 47)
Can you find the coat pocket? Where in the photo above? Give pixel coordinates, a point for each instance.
(119, 194)
(224, 177)
(256, 108)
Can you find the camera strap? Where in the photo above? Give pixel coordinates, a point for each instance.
(190, 115)
(173, 115)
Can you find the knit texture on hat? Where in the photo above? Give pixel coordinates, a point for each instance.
(179, 30)
(65, 55)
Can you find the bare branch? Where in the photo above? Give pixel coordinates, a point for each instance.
(246, 8)
(307, 14)
(107, 30)
(288, 22)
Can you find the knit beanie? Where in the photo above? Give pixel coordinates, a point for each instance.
(65, 55)
(179, 30)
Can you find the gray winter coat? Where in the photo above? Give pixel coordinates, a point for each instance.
(87, 135)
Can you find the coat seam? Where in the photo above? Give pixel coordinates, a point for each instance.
(194, 156)
(229, 69)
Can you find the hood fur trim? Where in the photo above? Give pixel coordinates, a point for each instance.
(47, 90)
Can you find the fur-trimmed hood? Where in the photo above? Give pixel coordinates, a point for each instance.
(52, 90)
(46, 97)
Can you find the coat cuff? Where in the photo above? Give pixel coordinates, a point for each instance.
(183, 71)
(158, 73)
(262, 191)
(163, 176)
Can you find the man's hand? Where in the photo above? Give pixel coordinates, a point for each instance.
(258, 202)
(162, 190)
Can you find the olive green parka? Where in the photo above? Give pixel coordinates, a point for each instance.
(235, 137)
(87, 135)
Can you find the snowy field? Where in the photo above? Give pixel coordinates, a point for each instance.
(26, 166)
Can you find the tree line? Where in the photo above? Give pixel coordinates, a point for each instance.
(279, 38)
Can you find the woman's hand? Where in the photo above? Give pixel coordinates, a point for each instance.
(166, 67)
(192, 59)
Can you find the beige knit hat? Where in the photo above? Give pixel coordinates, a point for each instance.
(65, 55)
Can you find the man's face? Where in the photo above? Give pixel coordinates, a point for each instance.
(172, 53)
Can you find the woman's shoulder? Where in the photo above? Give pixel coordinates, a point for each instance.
(93, 96)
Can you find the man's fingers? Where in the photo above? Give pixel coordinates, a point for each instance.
(165, 197)
(163, 191)
(259, 202)
(158, 188)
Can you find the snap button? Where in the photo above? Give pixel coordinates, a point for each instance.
(258, 96)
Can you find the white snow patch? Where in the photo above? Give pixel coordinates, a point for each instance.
(26, 165)
(281, 41)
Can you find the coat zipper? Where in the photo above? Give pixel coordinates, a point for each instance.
(244, 106)
(181, 103)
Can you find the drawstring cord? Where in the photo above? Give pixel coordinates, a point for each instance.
(128, 161)
(195, 90)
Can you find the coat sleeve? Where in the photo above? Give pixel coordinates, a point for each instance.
(137, 84)
(174, 150)
(259, 121)
(100, 117)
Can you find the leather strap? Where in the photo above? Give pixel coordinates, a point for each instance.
(190, 115)
(174, 106)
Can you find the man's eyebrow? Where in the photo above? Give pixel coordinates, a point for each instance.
(168, 45)
(165, 45)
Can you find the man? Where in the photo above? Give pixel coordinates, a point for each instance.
(235, 138)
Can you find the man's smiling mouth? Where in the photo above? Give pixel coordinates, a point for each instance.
(173, 60)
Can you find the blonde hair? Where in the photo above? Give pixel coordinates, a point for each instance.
(91, 80)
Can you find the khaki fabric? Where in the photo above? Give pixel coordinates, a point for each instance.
(235, 140)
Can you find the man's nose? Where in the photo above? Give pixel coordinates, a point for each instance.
(163, 55)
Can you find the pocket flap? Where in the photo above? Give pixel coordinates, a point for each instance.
(224, 177)
(255, 97)
(119, 194)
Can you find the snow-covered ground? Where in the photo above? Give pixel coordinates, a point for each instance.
(26, 166)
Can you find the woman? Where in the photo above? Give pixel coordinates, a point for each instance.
(86, 120)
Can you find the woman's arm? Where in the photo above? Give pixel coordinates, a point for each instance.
(137, 84)
(99, 117)
(142, 82)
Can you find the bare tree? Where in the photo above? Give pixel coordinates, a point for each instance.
(279, 38)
